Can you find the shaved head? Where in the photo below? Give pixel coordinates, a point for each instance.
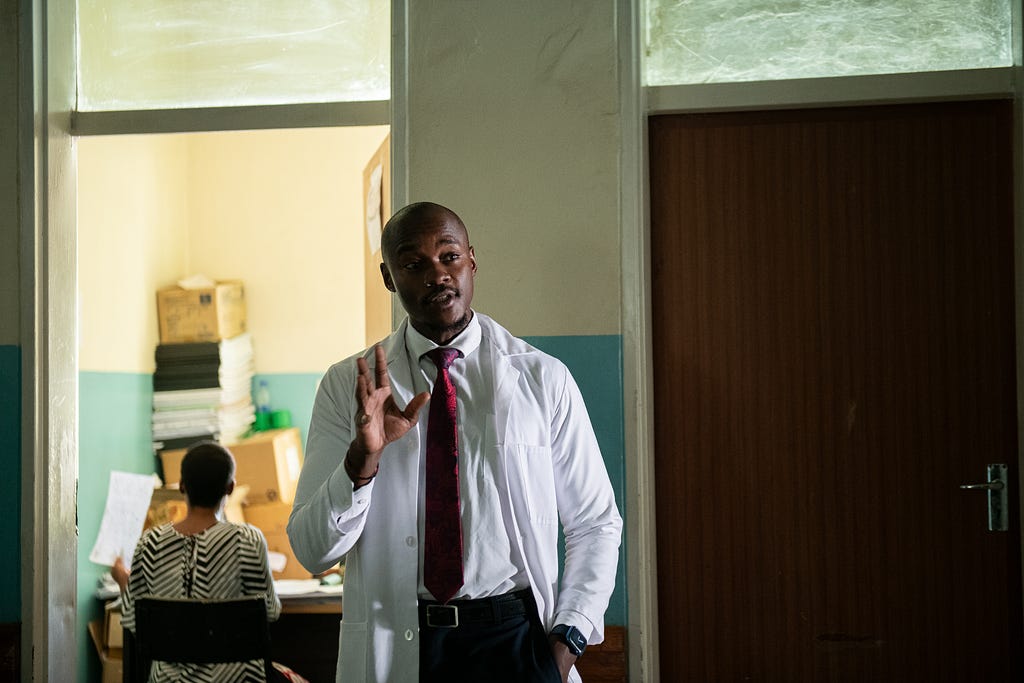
(408, 220)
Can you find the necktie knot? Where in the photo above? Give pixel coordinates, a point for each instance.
(443, 356)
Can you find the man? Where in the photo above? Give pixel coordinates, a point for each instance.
(522, 458)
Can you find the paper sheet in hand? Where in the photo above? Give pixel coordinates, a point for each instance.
(127, 502)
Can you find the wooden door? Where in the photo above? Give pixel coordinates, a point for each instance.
(833, 320)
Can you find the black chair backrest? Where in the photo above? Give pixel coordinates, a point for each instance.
(201, 631)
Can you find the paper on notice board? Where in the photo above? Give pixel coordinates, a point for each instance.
(128, 498)
(373, 206)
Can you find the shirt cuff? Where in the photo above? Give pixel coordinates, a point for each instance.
(344, 499)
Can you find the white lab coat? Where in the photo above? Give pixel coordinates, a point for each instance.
(552, 469)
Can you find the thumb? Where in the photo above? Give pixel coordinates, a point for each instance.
(415, 405)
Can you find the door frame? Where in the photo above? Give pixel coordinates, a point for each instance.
(48, 304)
(48, 329)
(637, 103)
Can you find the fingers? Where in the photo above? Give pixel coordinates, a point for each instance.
(362, 382)
(381, 367)
(371, 390)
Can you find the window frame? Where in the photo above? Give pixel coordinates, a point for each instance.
(248, 117)
(995, 82)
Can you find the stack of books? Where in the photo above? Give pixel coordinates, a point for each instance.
(202, 391)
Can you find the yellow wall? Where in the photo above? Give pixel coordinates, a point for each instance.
(133, 200)
(280, 210)
(283, 211)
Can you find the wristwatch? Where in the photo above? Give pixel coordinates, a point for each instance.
(571, 636)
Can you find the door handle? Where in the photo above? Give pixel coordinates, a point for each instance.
(988, 486)
(997, 496)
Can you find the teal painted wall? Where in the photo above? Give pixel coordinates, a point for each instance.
(10, 484)
(114, 433)
(293, 392)
(596, 364)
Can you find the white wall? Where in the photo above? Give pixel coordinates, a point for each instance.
(9, 186)
(513, 123)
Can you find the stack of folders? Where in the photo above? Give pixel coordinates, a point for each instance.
(202, 391)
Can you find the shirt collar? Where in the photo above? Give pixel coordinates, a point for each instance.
(467, 341)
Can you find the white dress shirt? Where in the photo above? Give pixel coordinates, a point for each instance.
(490, 566)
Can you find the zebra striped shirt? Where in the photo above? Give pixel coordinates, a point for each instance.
(224, 561)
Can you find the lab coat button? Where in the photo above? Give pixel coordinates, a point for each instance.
(409, 635)
(410, 541)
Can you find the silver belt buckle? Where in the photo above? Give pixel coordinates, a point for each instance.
(442, 616)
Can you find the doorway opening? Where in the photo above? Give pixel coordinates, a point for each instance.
(284, 211)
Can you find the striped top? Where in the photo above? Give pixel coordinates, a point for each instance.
(224, 561)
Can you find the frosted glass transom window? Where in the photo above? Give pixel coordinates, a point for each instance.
(717, 41)
(164, 54)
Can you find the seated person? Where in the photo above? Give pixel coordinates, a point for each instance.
(201, 557)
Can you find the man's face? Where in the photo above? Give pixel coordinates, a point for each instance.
(431, 267)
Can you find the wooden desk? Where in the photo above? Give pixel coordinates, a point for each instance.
(305, 636)
(319, 604)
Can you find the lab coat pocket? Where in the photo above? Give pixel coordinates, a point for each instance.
(533, 464)
(353, 648)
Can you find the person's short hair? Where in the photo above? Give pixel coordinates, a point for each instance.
(411, 214)
(206, 472)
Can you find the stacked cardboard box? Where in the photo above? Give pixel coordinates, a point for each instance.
(272, 520)
(202, 389)
(267, 462)
(202, 386)
(204, 313)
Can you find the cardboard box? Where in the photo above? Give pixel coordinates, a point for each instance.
(203, 314)
(112, 660)
(165, 507)
(278, 543)
(268, 463)
(272, 520)
(170, 462)
(168, 506)
(113, 632)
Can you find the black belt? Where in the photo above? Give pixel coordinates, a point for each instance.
(455, 613)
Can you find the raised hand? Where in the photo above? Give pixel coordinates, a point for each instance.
(379, 420)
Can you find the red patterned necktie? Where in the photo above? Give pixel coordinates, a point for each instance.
(442, 551)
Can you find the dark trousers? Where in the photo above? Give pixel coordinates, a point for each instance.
(495, 642)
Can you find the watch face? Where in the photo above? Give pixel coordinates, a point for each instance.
(573, 638)
(576, 641)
